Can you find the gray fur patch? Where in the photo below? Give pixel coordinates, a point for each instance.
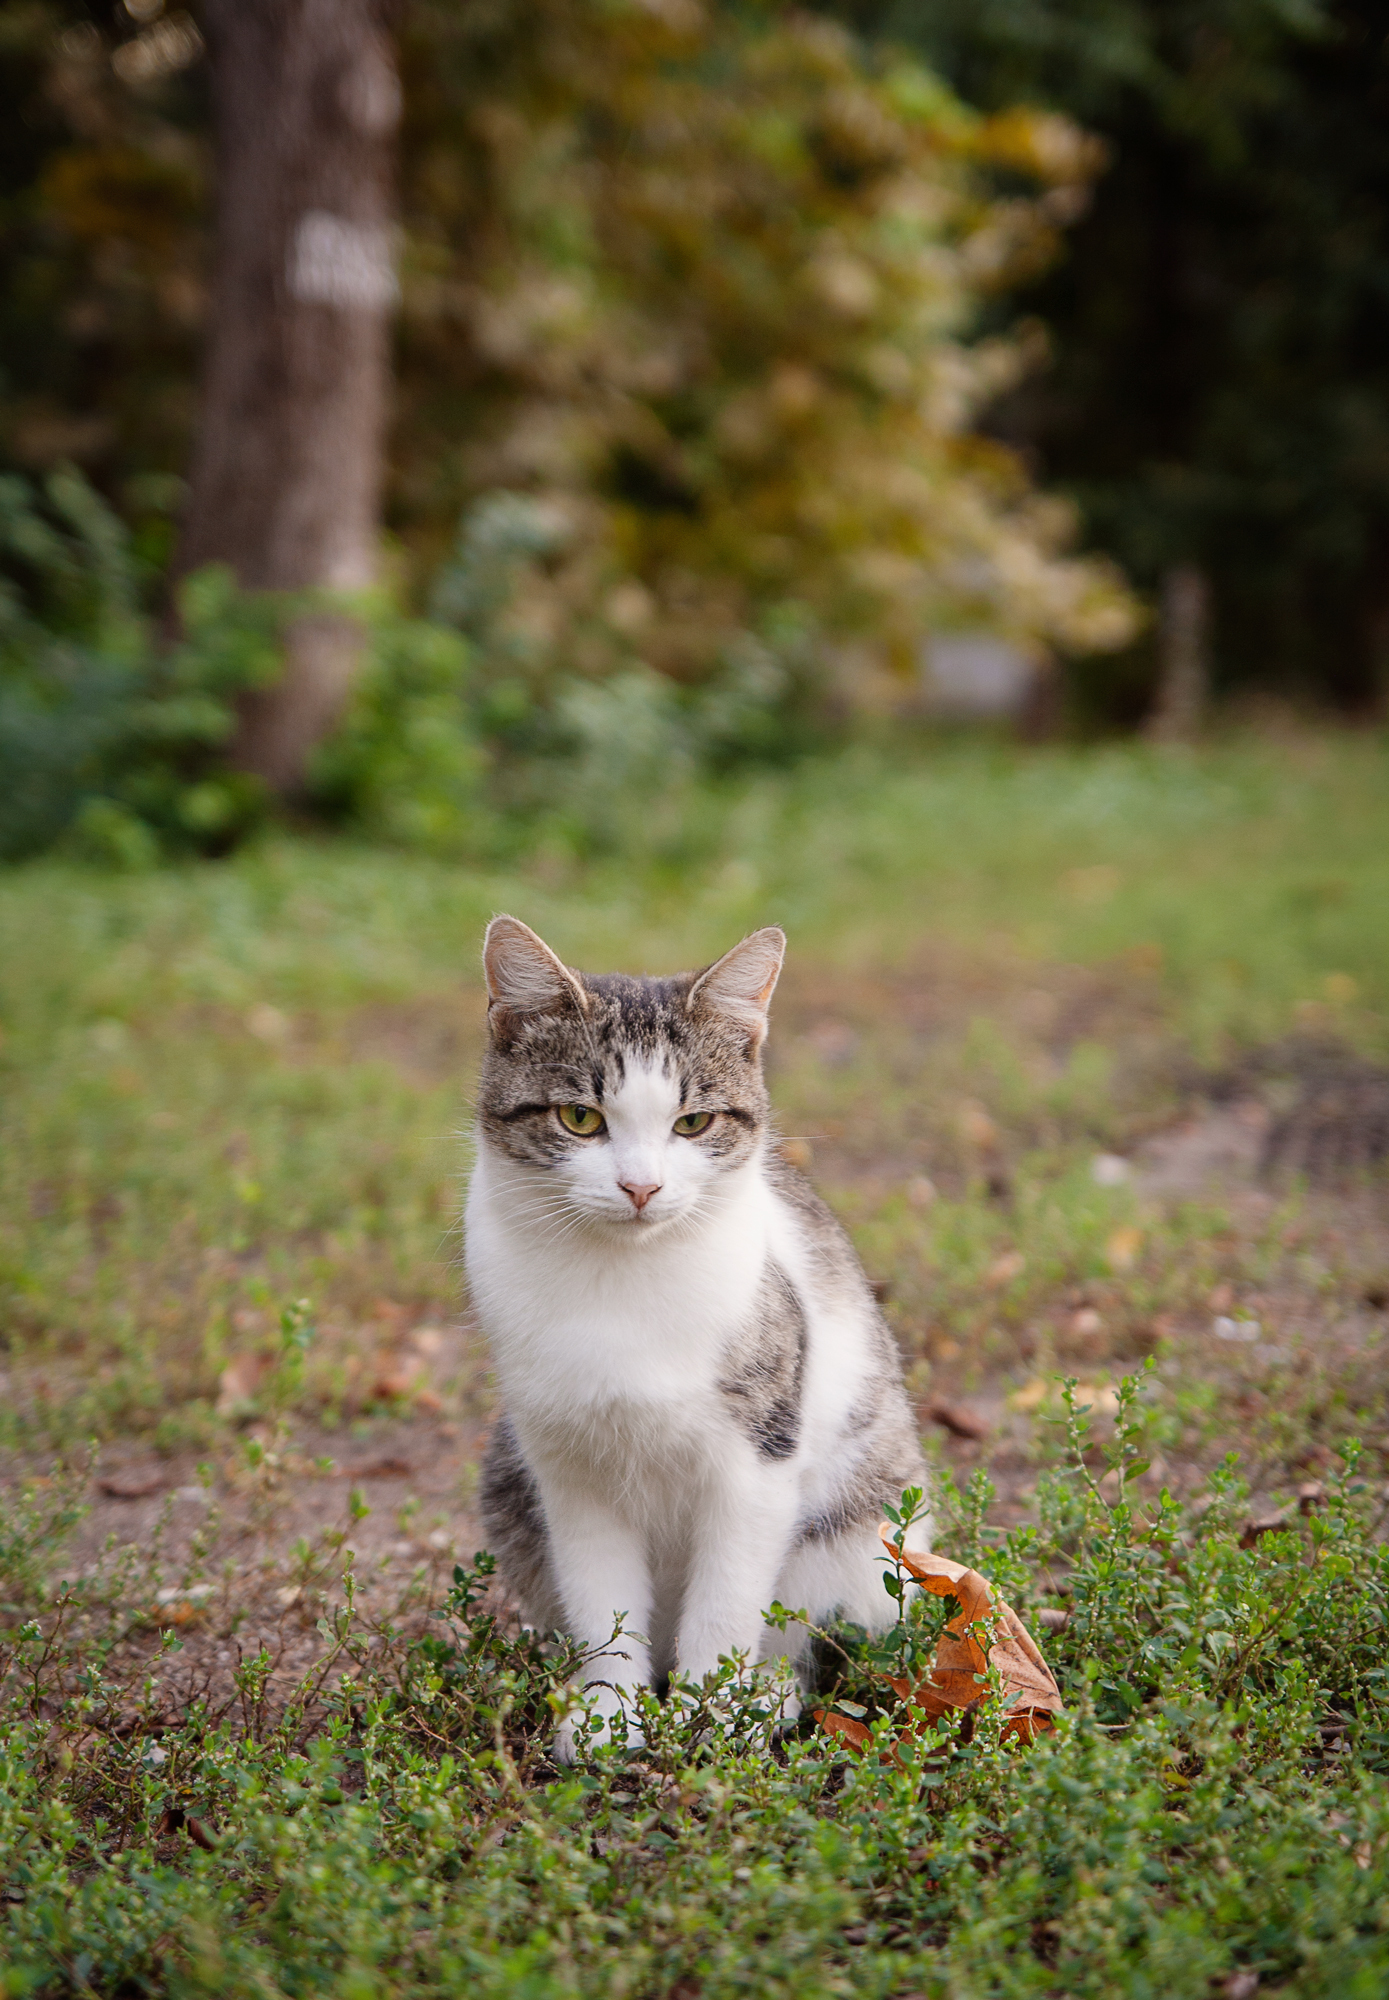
(763, 1384)
(880, 1452)
(513, 1521)
(880, 1456)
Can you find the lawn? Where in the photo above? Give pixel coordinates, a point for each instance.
(1089, 1049)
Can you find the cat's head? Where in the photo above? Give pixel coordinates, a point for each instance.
(623, 1103)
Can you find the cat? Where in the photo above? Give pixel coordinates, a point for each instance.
(703, 1407)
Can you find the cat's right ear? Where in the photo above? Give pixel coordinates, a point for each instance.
(524, 976)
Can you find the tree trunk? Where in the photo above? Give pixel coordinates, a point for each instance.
(1184, 673)
(286, 475)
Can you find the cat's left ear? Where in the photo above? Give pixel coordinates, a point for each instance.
(740, 984)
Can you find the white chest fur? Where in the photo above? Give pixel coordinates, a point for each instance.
(581, 1319)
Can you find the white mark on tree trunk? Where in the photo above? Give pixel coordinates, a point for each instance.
(333, 262)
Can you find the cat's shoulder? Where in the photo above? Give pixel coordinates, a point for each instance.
(814, 1220)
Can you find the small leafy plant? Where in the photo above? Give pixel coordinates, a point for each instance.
(1208, 1806)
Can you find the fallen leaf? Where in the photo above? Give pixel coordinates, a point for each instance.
(1004, 1269)
(797, 1153)
(855, 1734)
(976, 1127)
(397, 1375)
(376, 1468)
(956, 1683)
(1029, 1689)
(921, 1192)
(133, 1485)
(181, 1607)
(1031, 1396)
(239, 1381)
(1264, 1524)
(267, 1023)
(958, 1419)
(1102, 1400)
(1123, 1247)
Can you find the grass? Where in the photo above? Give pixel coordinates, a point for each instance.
(234, 1086)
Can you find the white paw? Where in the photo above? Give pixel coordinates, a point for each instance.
(603, 1720)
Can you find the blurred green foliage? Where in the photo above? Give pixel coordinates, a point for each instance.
(106, 740)
(686, 344)
(711, 390)
(1219, 389)
(703, 286)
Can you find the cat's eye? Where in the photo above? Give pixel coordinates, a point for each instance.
(692, 1122)
(581, 1119)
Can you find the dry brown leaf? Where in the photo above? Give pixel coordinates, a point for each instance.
(171, 1610)
(199, 1835)
(1004, 1269)
(397, 1376)
(957, 1680)
(1029, 1688)
(240, 1380)
(958, 1419)
(133, 1485)
(976, 1127)
(1123, 1247)
(377, 1468)
(845, 1727)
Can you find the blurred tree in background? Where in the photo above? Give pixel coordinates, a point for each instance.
(711, 393)
(687, 341)
(286, 474)
(705, 291)
(1219, 388)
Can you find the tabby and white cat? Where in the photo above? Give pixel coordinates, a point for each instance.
(704, 1409)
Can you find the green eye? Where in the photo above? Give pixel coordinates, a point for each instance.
(693, 1122)
(580, 1118)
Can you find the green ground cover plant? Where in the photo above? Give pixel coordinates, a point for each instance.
(287, 1750)
(1210, 1807)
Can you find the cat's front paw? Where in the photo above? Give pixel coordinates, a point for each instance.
(607, 1721)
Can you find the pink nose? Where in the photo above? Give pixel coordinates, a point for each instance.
(638, 1196)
